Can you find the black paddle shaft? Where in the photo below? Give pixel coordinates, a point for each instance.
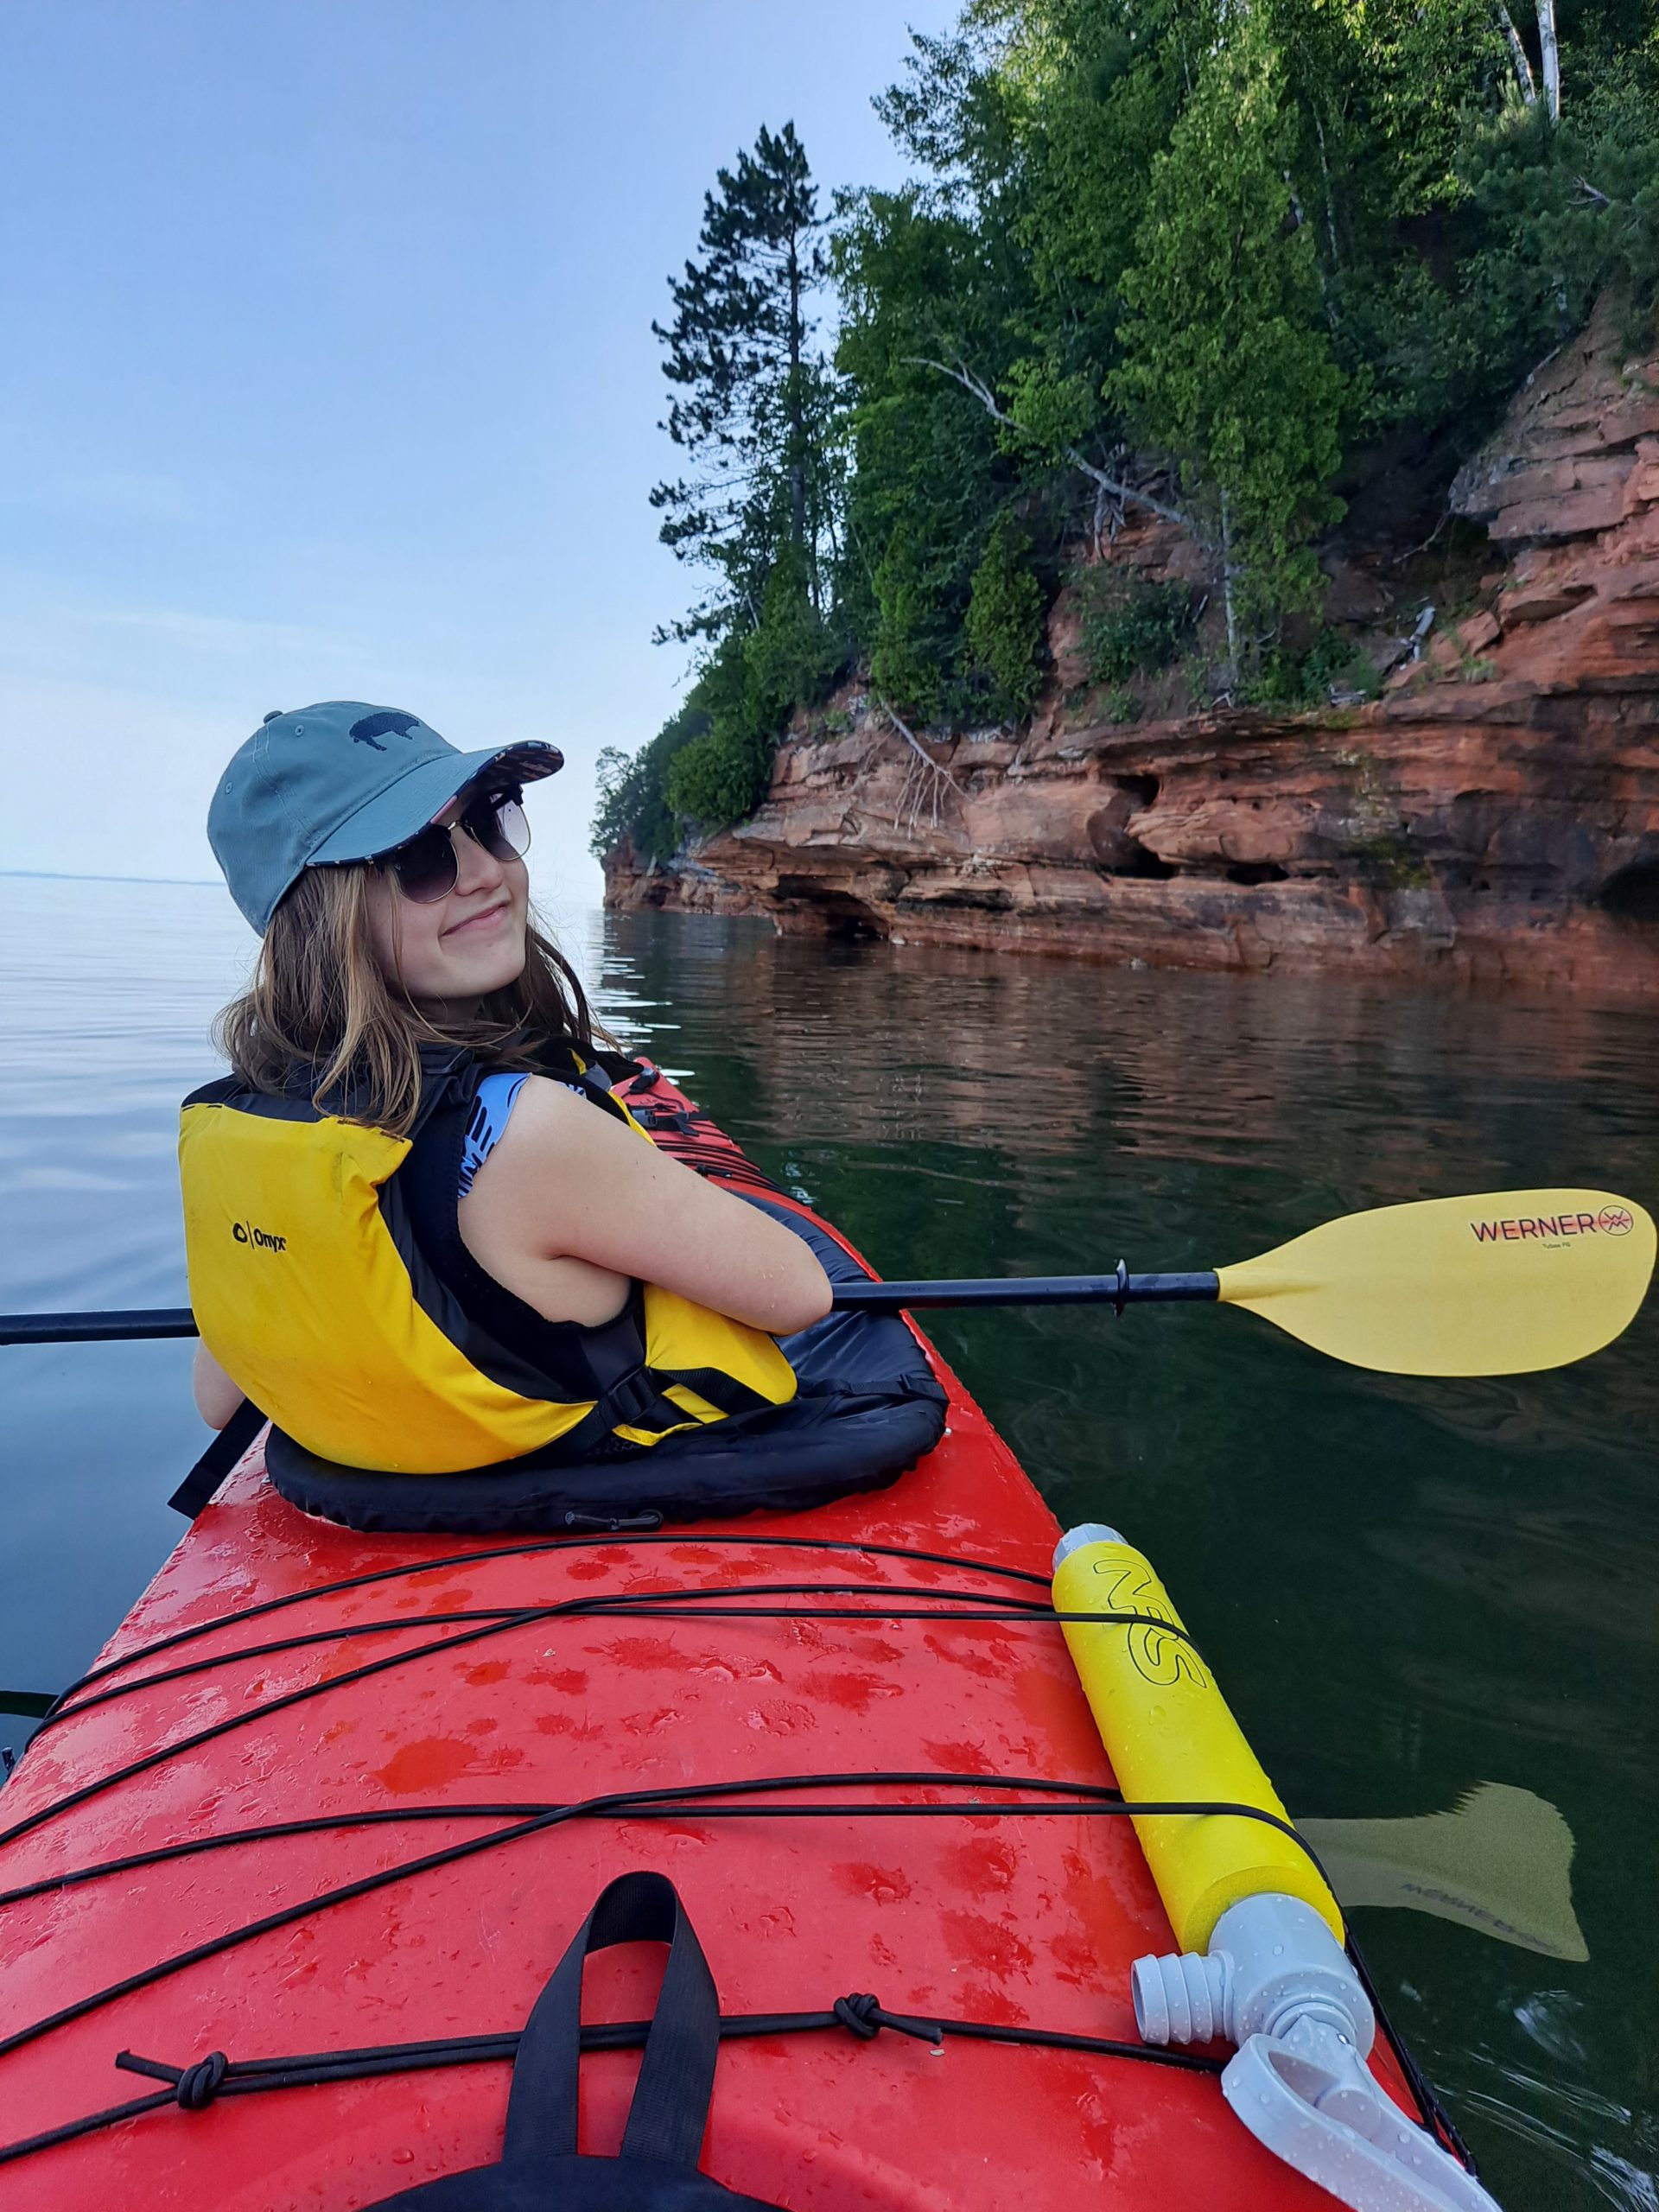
(1117, 1290)
(118, 1327)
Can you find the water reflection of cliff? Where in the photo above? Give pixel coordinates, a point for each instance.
(1027, 1116)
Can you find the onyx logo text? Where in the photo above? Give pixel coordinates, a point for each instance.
(245, 1233)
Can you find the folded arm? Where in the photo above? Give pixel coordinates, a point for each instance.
(571, 1205)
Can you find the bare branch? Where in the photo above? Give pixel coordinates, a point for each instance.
(1112, 486)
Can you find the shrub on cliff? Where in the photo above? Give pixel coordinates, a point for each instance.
(633, 789)
(749, 686)
(1128, 627)
(720, 778)
(1006, 630)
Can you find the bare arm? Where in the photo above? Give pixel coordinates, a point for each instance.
(217, 1397)
(570, 1205)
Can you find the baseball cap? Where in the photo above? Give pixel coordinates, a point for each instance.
(340, 781)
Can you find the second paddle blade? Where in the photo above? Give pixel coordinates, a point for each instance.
(1501, 1284)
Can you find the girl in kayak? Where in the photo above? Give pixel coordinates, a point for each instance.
(407, 1014)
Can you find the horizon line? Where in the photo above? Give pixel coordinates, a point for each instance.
(80, 875)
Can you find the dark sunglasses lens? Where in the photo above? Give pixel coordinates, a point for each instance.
(425, 866)
(499, 825)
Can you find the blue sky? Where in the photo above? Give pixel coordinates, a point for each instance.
(329, 374)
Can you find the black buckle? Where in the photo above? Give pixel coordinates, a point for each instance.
(631, 1397)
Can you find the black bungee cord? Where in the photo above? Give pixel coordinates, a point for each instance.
(665, 1802)
(594, 1605)
(193, 2087)
(669, 1605)
(669, 1803)
(533, 1545)
(521, 1821)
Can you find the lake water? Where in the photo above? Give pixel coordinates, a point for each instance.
(1408, 1588)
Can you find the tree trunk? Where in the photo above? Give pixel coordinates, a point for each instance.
(1518, 55)
(1227, 589)
(1330, 200)
(1550, 56)
(798, 420)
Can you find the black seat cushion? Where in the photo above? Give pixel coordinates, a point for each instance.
(867, 1407)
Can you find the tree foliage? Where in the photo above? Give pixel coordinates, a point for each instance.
(1005, 626)
(632, 789)
(1171, 255)
(749, 684)
(1227, 363)
(752, 403)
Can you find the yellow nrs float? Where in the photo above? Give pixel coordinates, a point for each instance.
(1170, 1736)
(1262, 1961)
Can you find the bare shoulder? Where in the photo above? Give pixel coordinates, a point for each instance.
(552, 1128)
(569, 1182)
(545, 1109)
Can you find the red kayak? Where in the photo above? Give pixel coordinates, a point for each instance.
(329, 1803)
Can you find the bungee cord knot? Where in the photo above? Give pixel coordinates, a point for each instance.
(194, 2086)
(865, 2016)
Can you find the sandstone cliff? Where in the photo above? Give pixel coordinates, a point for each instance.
(1493, 816)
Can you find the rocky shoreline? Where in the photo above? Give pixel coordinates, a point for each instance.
(1493, 817)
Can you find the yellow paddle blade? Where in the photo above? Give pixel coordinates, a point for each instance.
(1501, 1284)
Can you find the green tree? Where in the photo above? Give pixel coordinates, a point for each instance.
(748, 686)
(632, 789)
(930, 468)
(752, 405)
(1006, 630)
(1226, 360)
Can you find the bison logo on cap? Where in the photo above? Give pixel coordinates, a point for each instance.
(374, 728)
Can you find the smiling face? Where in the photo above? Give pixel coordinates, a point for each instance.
(462, 946)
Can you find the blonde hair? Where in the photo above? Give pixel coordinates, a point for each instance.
(321, 1011)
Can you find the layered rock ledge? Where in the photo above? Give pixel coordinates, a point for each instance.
(1493, 817)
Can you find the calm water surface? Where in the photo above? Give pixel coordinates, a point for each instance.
(1407, 1587)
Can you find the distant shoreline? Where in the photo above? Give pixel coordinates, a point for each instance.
(71, 875)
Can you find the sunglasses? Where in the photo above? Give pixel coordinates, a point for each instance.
(426, 868)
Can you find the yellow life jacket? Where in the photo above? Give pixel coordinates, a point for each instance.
(330, 1281)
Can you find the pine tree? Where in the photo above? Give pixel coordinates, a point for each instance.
(753, 402)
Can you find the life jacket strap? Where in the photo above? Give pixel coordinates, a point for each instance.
(636, 1400)
(627, 1392)
(216, 1462)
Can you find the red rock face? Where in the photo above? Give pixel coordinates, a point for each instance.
(1493, 818)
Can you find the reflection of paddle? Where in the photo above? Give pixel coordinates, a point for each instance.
(1499, 1284)
(1498, 1862)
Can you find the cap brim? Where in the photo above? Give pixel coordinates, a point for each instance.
(404, 809)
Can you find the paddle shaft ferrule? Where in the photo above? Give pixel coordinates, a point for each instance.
(117, 1327)
(1116, 1290)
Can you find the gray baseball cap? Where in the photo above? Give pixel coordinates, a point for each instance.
(340, 781)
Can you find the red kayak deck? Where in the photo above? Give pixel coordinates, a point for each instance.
(426, 1698)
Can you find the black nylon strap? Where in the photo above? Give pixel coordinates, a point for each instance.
(615, 1356)
(670, 2110)
(216, 1462)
